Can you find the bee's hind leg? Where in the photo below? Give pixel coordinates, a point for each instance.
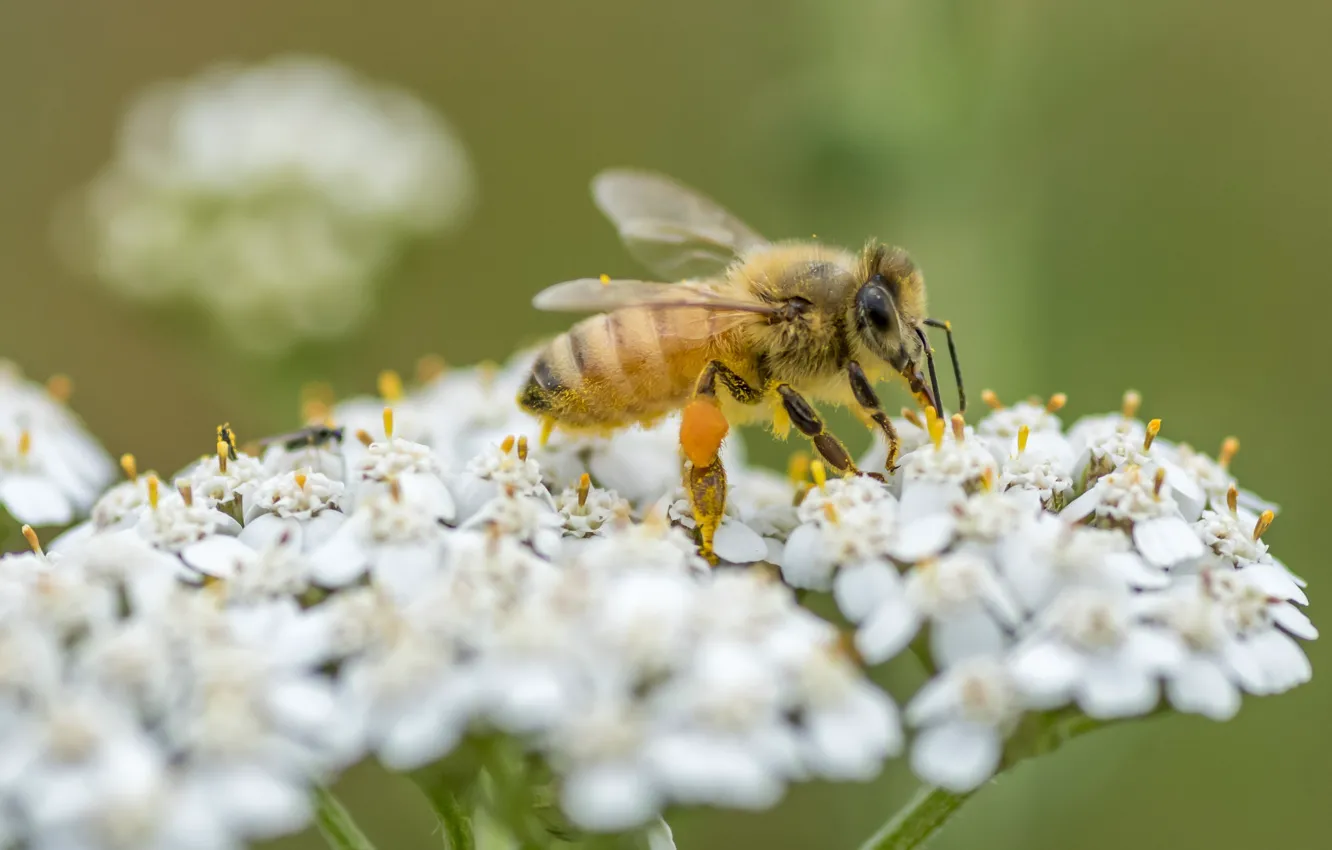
(702, 429)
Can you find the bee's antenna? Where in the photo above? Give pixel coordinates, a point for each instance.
(952, 354)
(929, 360)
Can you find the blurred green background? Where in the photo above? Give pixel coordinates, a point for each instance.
(1103, 196)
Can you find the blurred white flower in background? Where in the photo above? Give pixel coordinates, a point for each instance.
(273, 196)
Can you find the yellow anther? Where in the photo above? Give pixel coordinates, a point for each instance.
(959, 427)
(222, 451)
(395, 489)
(388, 423)
(430, 367)
(1158, 481)
(60, 387)
(25, 442)
(34, 543)
(1229, 447)
(1024, 433)
(1132, 401)
(1056, 403)
(186, 492)
(1232, 498)
(910, 415)
(522, 447)
(830, 511)
(797, 468)
(987, 479)
(936, 427)
(364, 436)
(584, 485)
(991, 399)
(153, 490)
(605, 279)
(507, 445)
(1264, 522)
(130, 466)
(547, 428)
(390, 385)
(301, 479)
(1153, 428)
(819, 473)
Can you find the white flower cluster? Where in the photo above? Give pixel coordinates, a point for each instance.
(50, 469)
(272, 196)
(182, 668)
(1035, 569)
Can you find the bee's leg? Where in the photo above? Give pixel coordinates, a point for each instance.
(702, 429)
(870, 408)
(806, 419)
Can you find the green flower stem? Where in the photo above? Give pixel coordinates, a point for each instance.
(455, 817)
(336, 823)
(918, 820)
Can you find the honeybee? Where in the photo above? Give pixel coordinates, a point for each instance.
(752, 331)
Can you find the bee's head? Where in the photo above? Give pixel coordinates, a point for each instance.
(889, 314)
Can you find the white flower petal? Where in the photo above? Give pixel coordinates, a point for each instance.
(1047, 672)
(888, 630)
(1136, 572)
(1276, 581)
(958, 755)
(609, 797)
(956, 638)
(1167, 541)
(923, 538)
(861, 588)
(851, 741)
(220, 557)
(805, 564)
(1112, 687)
(737, 543)
(1201, 686)
(1293, 620)
(35, 500)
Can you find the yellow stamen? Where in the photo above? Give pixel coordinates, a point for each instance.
(186, 492)
(130, 466)
(301, 479)
(25, 442)
(153, 487)
(1232, 498)
(605, 279)
(395, 489)
(522, 447)
(987, 479)
(1264, 522)
(364, 436)
(430, 367)
(584, 485)
(1132, 401)
(819, 473)
(60, 387)
(34, 543)
(1056, 403)
(547, 428)
(830, 511)
(992, 399)
(507, 445)
(910, 415)
(936, 427)
(959, 427)
(1229, 446)
(797, 468)
(1153, 428)
(1158, 481)
(388, 422)
(222, 452)
(390, 385)
(1024, 433)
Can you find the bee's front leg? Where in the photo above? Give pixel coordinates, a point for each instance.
(873, 411)
(702, 429)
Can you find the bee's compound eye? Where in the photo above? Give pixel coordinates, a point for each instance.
(875, 307)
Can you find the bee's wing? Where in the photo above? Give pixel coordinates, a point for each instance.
(701, 311)
(670, 228)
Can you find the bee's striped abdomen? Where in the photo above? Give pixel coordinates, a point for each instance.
(613, 369)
